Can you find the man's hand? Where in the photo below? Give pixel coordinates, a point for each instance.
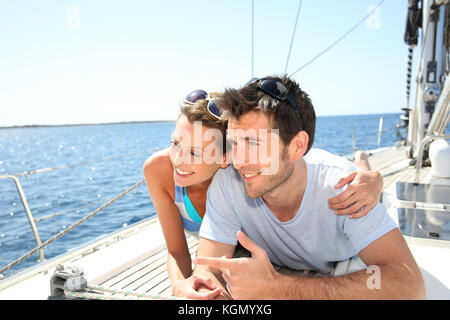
(189, 288)
(361, 195)
(246, 278)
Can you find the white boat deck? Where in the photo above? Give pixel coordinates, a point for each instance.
(145, 274)
(137, 262)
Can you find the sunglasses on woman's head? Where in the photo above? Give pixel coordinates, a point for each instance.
(277, 90)
(212, 107)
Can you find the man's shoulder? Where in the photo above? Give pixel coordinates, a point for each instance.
(328, 160)
(327, 169)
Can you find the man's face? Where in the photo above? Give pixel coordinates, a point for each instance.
(258, 154)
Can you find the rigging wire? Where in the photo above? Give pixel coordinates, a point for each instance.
(27, 173)
(253, 36)
(293, 35)
(339, 39)
(66, 211)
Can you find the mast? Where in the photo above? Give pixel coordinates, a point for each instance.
(432, 71)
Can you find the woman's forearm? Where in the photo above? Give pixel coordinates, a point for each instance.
(179, 267)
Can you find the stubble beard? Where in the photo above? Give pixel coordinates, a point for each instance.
(271, 182)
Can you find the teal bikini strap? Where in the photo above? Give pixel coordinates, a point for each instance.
(190, 208)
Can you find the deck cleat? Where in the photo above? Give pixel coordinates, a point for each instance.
(66, 279)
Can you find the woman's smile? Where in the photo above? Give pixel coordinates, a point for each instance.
(183, 173)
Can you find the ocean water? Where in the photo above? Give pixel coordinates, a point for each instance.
(107, 159)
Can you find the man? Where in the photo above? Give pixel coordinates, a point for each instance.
(279, 215)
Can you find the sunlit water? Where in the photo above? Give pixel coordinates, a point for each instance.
(82, 188)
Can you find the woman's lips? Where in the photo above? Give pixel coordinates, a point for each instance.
(183, 174)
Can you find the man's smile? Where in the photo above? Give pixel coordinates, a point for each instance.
(249, 176)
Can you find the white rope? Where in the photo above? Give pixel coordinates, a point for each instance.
(99, 296)
(120, 293)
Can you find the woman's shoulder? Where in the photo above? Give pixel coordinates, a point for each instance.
(158, 166)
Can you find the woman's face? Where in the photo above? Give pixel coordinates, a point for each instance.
(194, 154)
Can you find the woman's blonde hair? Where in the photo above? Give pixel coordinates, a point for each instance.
(198, 111)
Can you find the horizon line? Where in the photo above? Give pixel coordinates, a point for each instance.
(153, 121)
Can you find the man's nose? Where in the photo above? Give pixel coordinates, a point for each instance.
(240, 157)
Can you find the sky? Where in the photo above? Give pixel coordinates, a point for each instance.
(86, 61)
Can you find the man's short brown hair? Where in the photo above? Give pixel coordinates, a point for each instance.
(237, 102)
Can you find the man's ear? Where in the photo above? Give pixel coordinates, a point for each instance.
(298, 145)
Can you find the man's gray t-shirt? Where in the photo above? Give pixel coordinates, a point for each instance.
(315, 238)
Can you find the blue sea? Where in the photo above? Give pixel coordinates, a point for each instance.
(108, 159)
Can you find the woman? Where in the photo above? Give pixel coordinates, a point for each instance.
(178, 179)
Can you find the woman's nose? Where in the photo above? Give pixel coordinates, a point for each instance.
(177, 156)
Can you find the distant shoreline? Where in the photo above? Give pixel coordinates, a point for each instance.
(157, 121)
(82, 124)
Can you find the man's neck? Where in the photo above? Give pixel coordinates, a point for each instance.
(285, 200)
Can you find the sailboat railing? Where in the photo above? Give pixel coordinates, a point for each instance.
(28, 212)
(41, 245)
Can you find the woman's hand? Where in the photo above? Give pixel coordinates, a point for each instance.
(189, 288)
(362, 194)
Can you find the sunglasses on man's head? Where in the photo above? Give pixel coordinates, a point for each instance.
(277, 90)
(212, 107)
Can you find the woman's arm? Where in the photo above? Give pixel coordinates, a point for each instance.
(157, 171)
(362, 194)
(155, 168)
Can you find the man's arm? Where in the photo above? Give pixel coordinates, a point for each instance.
(400, 277)
(255, 278)
(210, 248)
